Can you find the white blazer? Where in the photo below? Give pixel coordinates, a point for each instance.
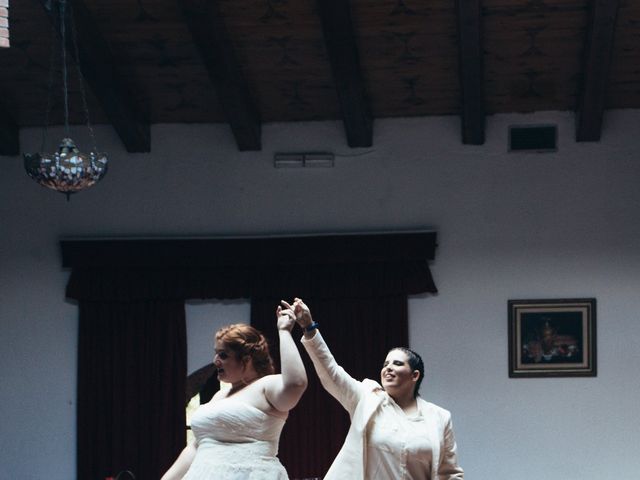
(361, 400)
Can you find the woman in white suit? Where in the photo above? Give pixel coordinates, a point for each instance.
(394, 434)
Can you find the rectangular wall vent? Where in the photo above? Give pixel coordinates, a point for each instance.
(533, 138)
(303, 159)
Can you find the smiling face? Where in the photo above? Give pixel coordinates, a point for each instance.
(396, 376)
(230, 368)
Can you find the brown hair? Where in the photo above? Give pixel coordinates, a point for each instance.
(245, 340)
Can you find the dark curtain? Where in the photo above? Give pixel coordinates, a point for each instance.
(360, 332)
(131, 387)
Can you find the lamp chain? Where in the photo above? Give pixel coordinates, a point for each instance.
(65, 87)
(52, 61)
(83, 93)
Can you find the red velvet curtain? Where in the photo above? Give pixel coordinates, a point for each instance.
(359, 332)
(131, 387)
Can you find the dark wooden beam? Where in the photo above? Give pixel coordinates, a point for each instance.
(595, 69)
(471, 71)
(340, 41)
(9, 134)
(212, 39)
(97, 62)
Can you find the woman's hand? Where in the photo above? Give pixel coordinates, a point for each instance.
(286, 316)
(302, 313)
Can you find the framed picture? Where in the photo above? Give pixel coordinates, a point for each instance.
(552, 338)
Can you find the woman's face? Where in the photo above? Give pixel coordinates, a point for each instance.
(230, 368)
(396, 375)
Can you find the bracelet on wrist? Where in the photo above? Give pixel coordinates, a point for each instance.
(311, 327)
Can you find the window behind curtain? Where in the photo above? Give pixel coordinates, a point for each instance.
(4, 23)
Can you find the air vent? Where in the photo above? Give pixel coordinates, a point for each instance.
(533, 138)
(303, 159)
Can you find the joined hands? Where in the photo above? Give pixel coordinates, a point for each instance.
(296, 312)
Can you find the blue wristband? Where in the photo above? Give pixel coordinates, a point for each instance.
(312, 327)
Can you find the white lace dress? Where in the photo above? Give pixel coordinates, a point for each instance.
(235, 441)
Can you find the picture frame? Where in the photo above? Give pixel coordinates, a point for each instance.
(552, 338)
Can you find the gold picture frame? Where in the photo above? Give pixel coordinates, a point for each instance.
(552, 338)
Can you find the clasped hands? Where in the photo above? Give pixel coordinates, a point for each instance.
(290, 313)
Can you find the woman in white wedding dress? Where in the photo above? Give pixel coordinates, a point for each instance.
(237, 432)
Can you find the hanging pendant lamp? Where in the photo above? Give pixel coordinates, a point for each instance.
(67, 170)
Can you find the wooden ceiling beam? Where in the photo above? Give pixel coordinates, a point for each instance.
(97, 62)
(9, 134)
(214, 44)
(471, 71)
(595, 69)
(339, 38)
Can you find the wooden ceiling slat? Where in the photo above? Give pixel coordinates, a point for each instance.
(471, 71)
(511, 7)
(212, 39)
(339, 37)
(596, 68)
(552, 20)
(97, 64)
(281, 48)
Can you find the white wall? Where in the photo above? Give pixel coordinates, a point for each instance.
(204, 318)
(565, 224)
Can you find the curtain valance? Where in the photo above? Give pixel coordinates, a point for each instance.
(349, 266)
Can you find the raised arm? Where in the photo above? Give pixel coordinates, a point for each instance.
(335, 380)
(182, 463)
(285, 390)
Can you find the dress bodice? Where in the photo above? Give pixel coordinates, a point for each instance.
(235, 422)
(235, 441)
